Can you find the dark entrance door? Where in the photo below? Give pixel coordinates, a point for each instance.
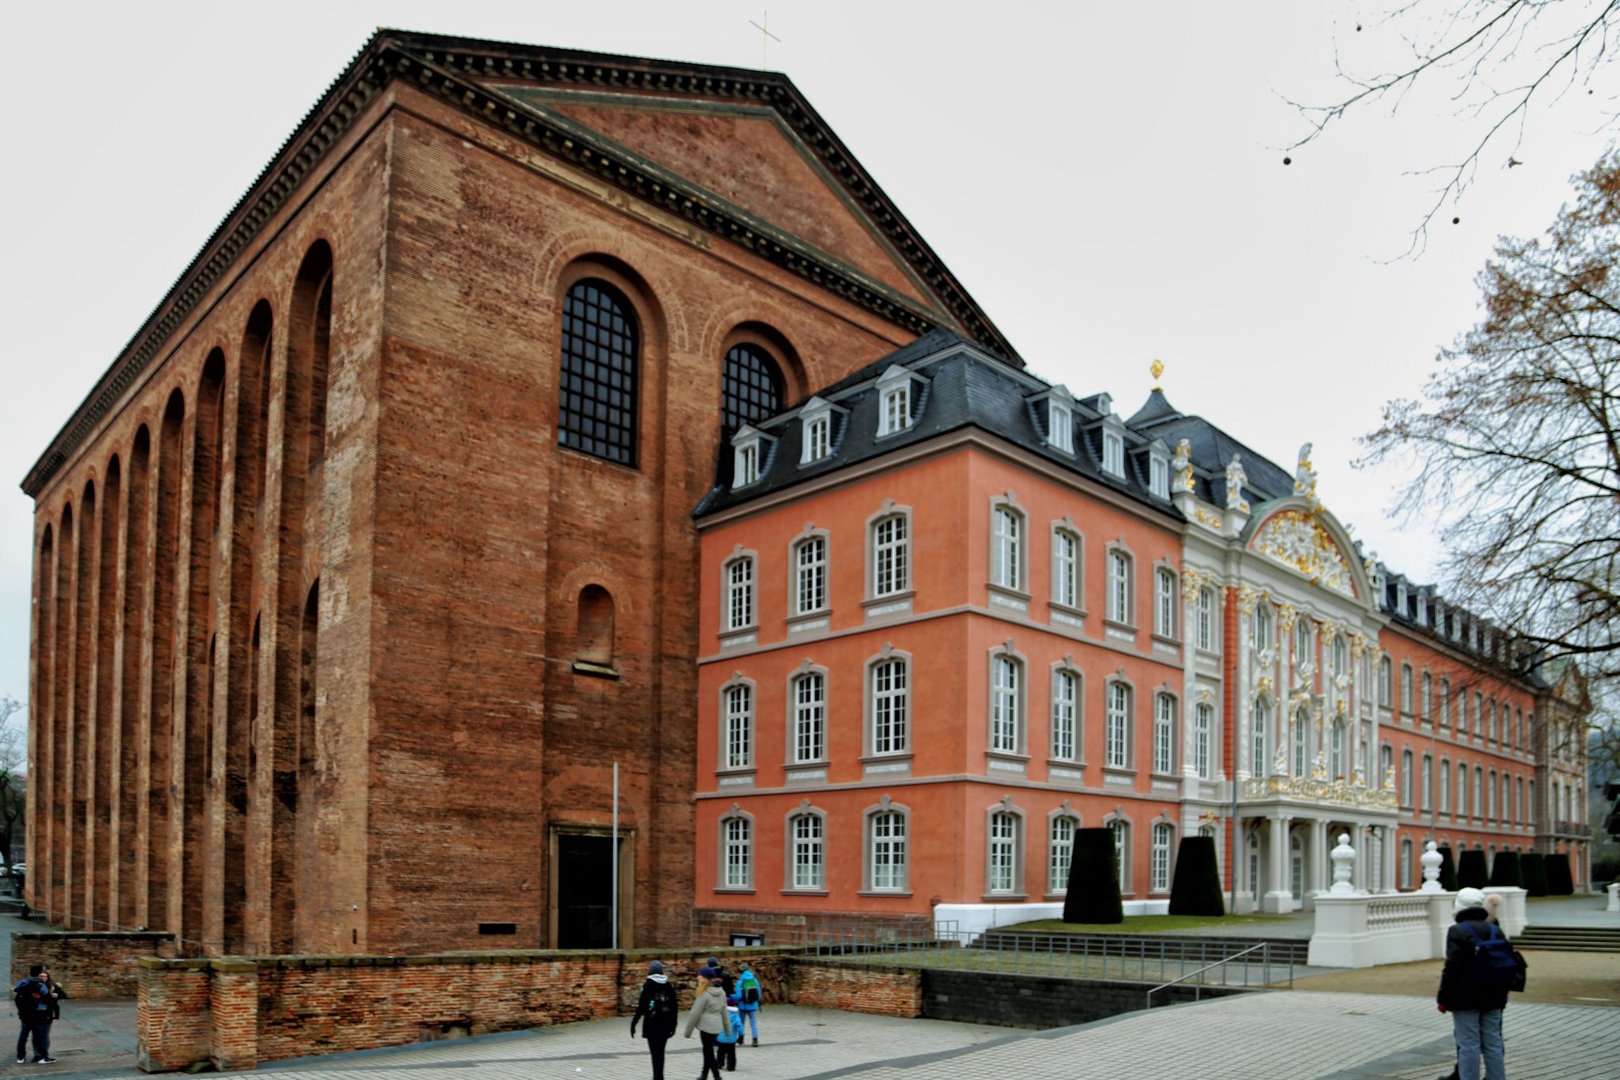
(584, 892)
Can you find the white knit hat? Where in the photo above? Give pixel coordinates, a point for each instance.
(1470, 897)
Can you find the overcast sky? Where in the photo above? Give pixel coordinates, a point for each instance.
(1106, 180)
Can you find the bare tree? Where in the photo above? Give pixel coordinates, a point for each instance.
(1496, 60)
(13, 788)
(1516, 441)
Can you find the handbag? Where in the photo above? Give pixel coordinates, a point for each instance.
(1519, 969)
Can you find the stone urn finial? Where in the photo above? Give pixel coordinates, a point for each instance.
(1344, 859)
(1431, 860)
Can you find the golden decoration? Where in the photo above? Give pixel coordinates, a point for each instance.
(1156, 369)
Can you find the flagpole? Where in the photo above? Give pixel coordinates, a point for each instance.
(615, 856)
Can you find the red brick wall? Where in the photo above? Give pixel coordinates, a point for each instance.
(862, 988)
(87, 964)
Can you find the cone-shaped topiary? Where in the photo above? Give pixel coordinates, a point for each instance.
(1093, 895)
(1448, 871)
(1533, 868)
(1196, 888)
(1471, 869)
(1559, 880)
(1505, 869)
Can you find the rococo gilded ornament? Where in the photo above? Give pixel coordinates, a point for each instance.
(1296, 540)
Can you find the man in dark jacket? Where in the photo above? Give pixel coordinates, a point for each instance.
(661, 1009)
(34, 998)
(1467, 994)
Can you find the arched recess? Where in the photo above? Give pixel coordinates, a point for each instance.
(593, 640)
(101, 851)
(165, 651)
(40, 701)
(129, 766)
(755, 366)
(57, 776)
(78, 759)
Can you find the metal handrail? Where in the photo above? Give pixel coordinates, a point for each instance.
(1198, 988)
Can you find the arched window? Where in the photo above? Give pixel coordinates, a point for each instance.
(750, 389)
(737, 853)
(1303, 653)
(1336, 751)
(1406, 778)
(809, 737)
(1065, 714)
(1006, 547)
(1117, 726)
(599, 373)
(1122, 851)
(1164, 734)
(1060, 853)
(886, 850)
(889, 706)
(1262, 626)
(1203, 740)
(1166, 596)
(808, 857)
(737, 702)
(1006, 704)
(1259, 736)
(1406, 689)
(1208, 629)
(593, 643)
(1302, 742)
(1003, 852)
(1159, 857)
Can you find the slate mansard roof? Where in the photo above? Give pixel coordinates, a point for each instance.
(957, 384)
(507, 85)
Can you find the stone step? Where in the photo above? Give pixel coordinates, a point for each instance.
(1152, 946)
(1569, 939)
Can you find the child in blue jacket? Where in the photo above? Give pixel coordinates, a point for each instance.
(731, 1033)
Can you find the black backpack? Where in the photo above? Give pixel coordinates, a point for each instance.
(664, 1006)
(26, 997)
(1496, 965)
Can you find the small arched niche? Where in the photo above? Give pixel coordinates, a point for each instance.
(593, 639)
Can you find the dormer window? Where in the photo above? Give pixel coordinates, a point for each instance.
(1113, 453)
(894, 401)
(1059, 425)
(1400, 600)
(816, 435)
(749, 447)
(1158, 471)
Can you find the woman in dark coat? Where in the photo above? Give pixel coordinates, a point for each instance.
(1475, 1006)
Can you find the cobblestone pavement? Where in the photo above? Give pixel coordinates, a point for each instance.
(1284, 1034)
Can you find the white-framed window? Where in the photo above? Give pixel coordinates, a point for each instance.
(810, 575)
(1445, 702)
(886, 851)
(1406, 689)
(1159, 857)
(1119, 587)
(1428, 782)
(1204, 740)
(1059, 425)
(890, 699)
(1117, 726)
(817, 439)
(1066, 567)
(1341, 655)
(747, 464)
(1338, 747)
(738, 699)
(1113, 453)
(1006, 547)
(1259, 737)
(1060, 853)
(1426, 703)
(809, 717)
(1164, 602)
(1159, 476)
(809, 856)
(1462, 789)
(1209, 634)
(1006, 704)
(1406, 864)
(1065, 714)
(1122, 851)
(1164, 734)
(1003, 853)
(1262, 626)
(739, 600)
(1445, 786)
(1479, 782)
(1406, 778)
(1385, 677)
(894, 401)
(1303, 632)
(891, 555)
(1302, 742)
(737, 854)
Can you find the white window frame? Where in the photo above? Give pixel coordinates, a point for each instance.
(1260, 736)
(1166, 600)
(894, 401)
(1118, 698)
(737, 714)
(809, 559)
(1204, 740)
(807, 853)
(1164, 734)
(1113, 456)
(807, 717)
(1004, 830)
(736, 852)
(738, 600)
(1121, 829)
(1209, 634)
(1006, 733)
(1159, 475)
(889, 555)
(816, 430)
(1159, 857)
(1121, 574)
(1059, 422)
(1300, 733)
(1067, 555)
(1060, 832)
(1067, 691)
(1007, 535)
(888, 706)
(887, 857)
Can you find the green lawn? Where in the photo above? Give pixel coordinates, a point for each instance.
(1140, 924)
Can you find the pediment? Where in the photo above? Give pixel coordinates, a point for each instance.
(1312, 546)
(745, 156)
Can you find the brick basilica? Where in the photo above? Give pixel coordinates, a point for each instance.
(374, 551)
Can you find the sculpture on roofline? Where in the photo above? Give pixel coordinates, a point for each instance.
(1235, 479)
(1181, 465)
(1305, 475)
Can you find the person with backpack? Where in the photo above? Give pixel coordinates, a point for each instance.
(661, 1009)
(35, 1000)
(749, 993)
(708, 1016)
(1479, 970)
(730, 1037)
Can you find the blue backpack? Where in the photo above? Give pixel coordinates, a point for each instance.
(1496, 965)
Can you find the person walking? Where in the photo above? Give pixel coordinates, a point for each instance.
(749, 995)
(708, 1016)
(35, 1001)
(1471, 989)
(658, 1009)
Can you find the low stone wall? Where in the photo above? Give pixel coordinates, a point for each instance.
(88, 964)
(782, 929)
(1025, 1001)
(863, 988)
(234, 1013)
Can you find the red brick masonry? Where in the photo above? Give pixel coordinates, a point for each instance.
(88, 964)
(236, 1013)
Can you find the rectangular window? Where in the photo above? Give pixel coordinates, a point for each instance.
(1159, 861)
(809, 718)
(1406, 778)
(1164, 602)
(739, 727)
(739, 861)
(1164, 735)
(817, 439)
(1006, 568)
(747, 464)
(889, 556)
(1066, 568)
(739, 594)
(1121, 851)
(1118, 722)
(1059, 426)
(1065, 703)
(1060, 855)
(1119, 587)
(888, 847)
(1428, 782)
(1406, 689)
(889, 707)
(1159, 477)
(1203, 735)
(1113, 454)
(1003, 852)
(1384, 678)
(810, 575)
(896, 410)
(808, 863)
(1207, 632)
(1005, 693)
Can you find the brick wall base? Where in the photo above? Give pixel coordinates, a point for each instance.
(863, 988)
(1024, 1001)
(88, 964)
(785, 928)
